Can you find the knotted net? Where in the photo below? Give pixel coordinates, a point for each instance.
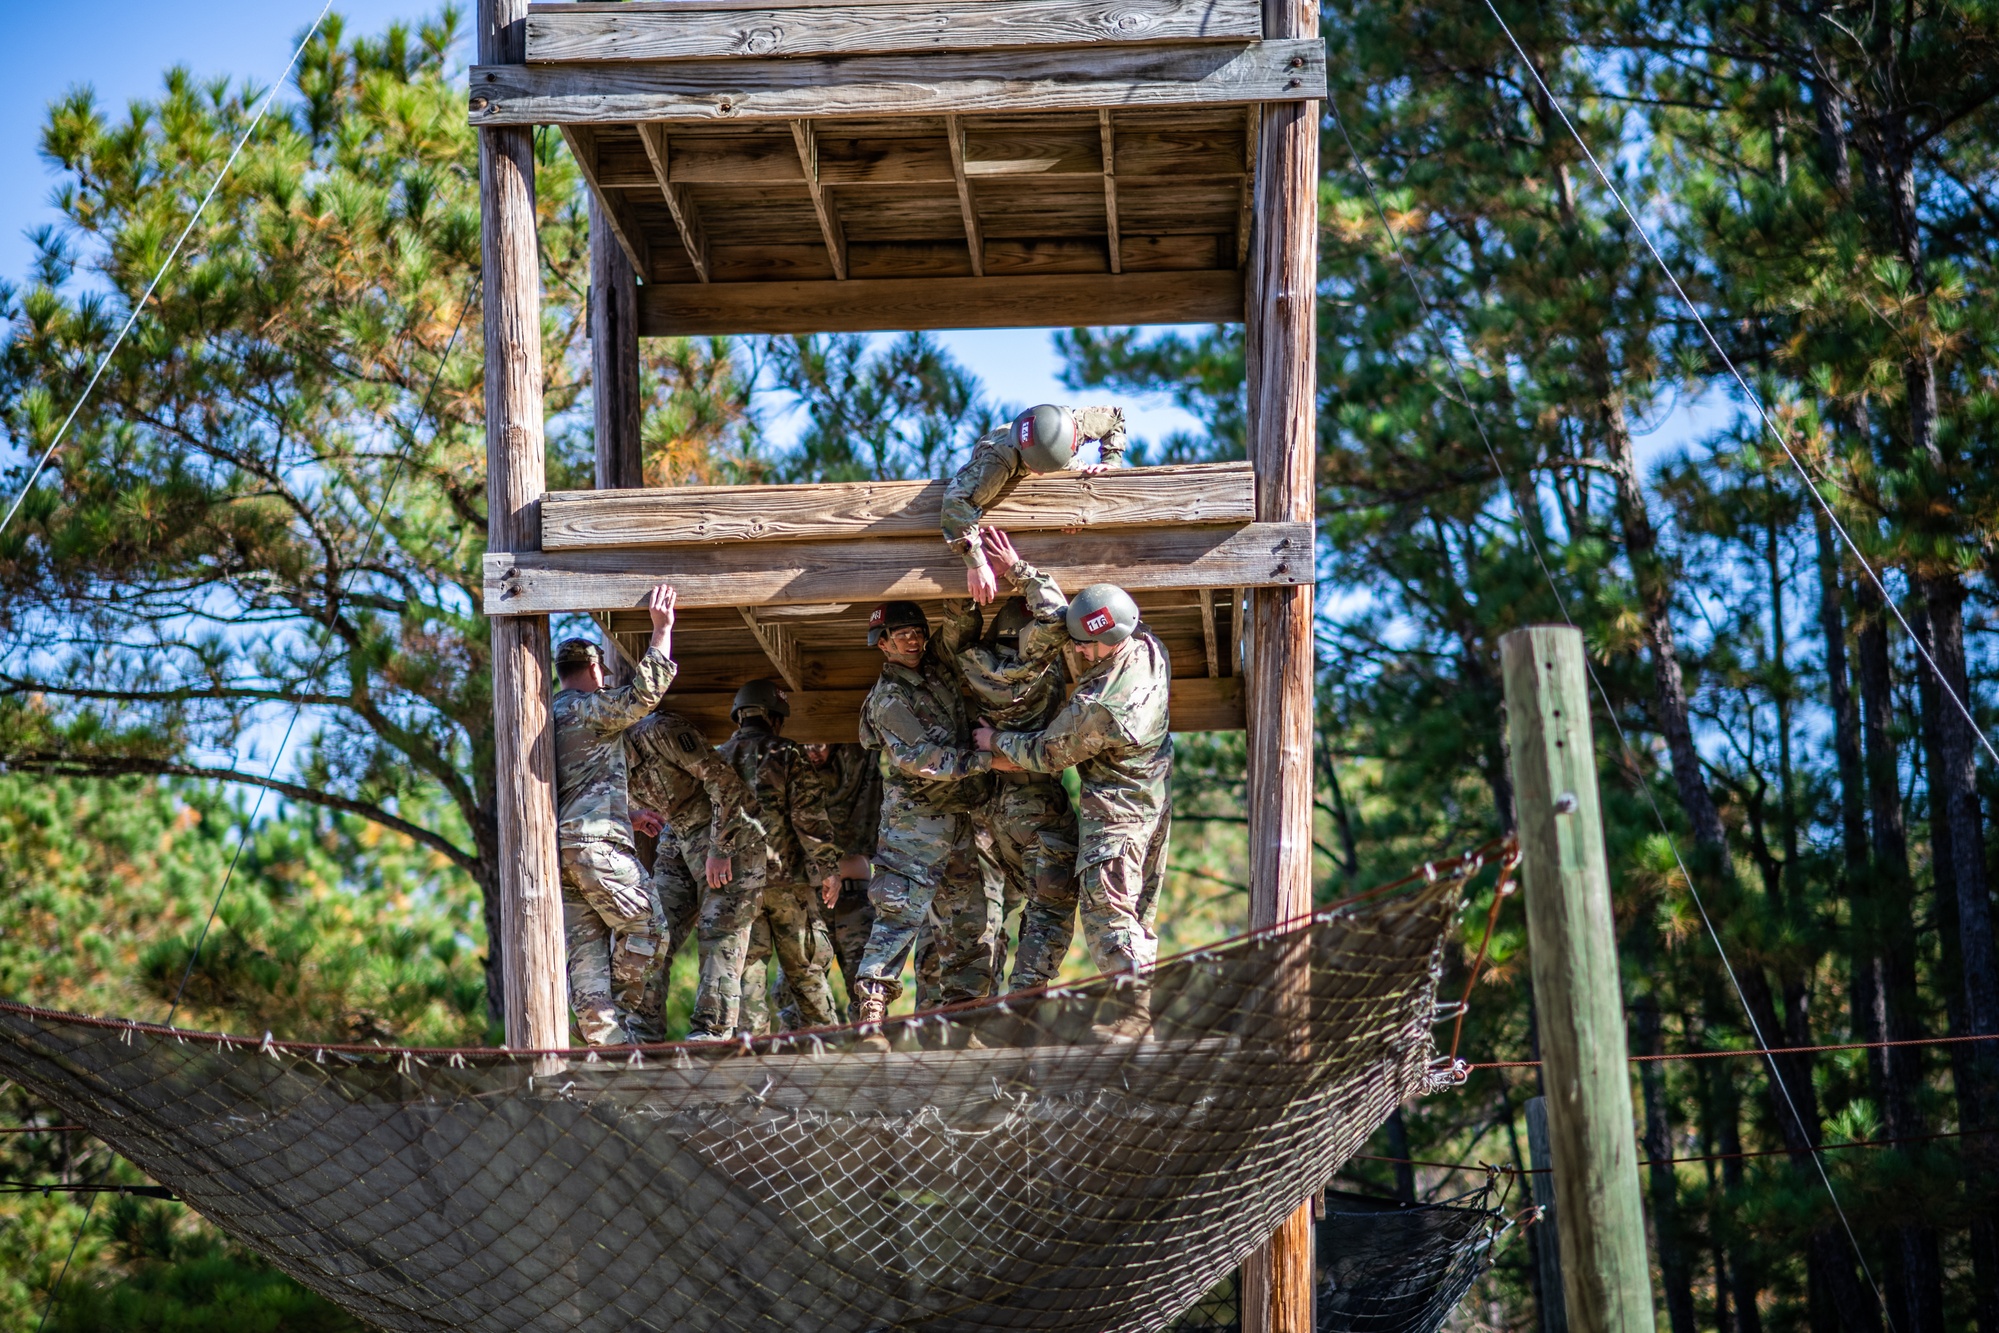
(999, 1168)
(1387, 1267)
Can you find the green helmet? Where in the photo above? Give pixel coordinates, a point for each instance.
(765, 694)
(575, 654)
(1009, 621)
(894, 616)
(1102, 613)
(1046, 437)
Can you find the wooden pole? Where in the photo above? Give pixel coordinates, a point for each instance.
(1282, 334)
(1606, 1284)
(614, 358)
(536, 1003)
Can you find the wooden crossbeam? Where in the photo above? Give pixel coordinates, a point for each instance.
(1084, 78)
(679, 199)
(975, 241)
(859, 305)
(829, 717)
(1149, 497)
(779, 646)
(582, 140)
(876, 569)
(804, 135)
(680, 31)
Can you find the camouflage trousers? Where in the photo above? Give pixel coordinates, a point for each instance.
(851, 921)
(718, 919)
(927, 871)
(1033, 839)
(789, 930)
(612, 924)
(1122, 874)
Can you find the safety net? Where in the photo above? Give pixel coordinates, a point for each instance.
(1000, 1166)
(1391, 1267)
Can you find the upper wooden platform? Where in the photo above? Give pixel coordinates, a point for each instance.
(801, 167)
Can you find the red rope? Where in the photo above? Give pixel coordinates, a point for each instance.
(1500, 891)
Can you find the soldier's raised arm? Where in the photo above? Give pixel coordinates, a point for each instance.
(612, 709)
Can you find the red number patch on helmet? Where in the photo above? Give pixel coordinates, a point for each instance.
(1027, 431)
(876, 617)
(1099, 620)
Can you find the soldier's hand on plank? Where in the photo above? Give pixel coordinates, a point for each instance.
(829, 889)
(1092, 469)
(999, 547)
(719, 870)
(648, 823)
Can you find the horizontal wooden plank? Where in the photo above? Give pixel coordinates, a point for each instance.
(1055, 78)
(831, 717)
(1204, 493)
(862, 305)
(776, 573)
(576, 33)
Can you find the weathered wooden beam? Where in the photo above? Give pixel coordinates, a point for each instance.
(779, 646)
(1083, 78)
(1208, 632)
(859, 305)
(1148, 497)
(829, 717)
(876, 569)
(1572, 942)
(806, 137)
(534, 999)
(1245, 225)
(678, 31)
(624, 225)
(679, 199)
(1110, 188)
(975, 241)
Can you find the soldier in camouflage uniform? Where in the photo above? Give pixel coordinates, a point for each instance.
(709, 872)
(1041, 439)
(851, 777)
(1013, 675)
(803, 851)
(609, 914)
(1114, 731)
(926, 865)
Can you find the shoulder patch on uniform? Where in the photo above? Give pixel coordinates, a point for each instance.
(687, 741)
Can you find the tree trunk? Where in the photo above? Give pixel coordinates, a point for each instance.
(1675, 1269)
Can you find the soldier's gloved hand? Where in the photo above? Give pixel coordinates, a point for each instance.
(719, 870)
(648, 823)
(829, 889)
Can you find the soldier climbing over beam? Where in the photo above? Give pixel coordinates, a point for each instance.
(1041, 439)
(709, 872)
(1114, 731)
(926, 863)
(609, 913)
(803, 851)
(1013, 675)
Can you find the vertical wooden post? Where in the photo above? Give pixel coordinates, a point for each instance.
(1606, 1285)
(1282, 337)
(614, 358)
(531, 944)
(1547, 1231)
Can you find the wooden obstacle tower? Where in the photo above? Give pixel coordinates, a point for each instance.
(803, 166)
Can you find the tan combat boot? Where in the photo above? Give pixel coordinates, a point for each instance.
(870, 1009)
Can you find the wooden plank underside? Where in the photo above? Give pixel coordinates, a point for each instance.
(740, 574)
(829, 717)
(1084, 78)
(579, 33)
(1203, 493)
(859, 305)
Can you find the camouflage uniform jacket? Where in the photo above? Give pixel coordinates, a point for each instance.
(852, 778)
(994, 469)
(590, 799)
(1015, 692)
(803, 846)
(919, 720)
(1114, 731)
(676, 772)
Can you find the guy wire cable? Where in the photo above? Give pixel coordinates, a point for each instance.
(139, 306)
(1658, 816)
(1754, 400)
(270, 94)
